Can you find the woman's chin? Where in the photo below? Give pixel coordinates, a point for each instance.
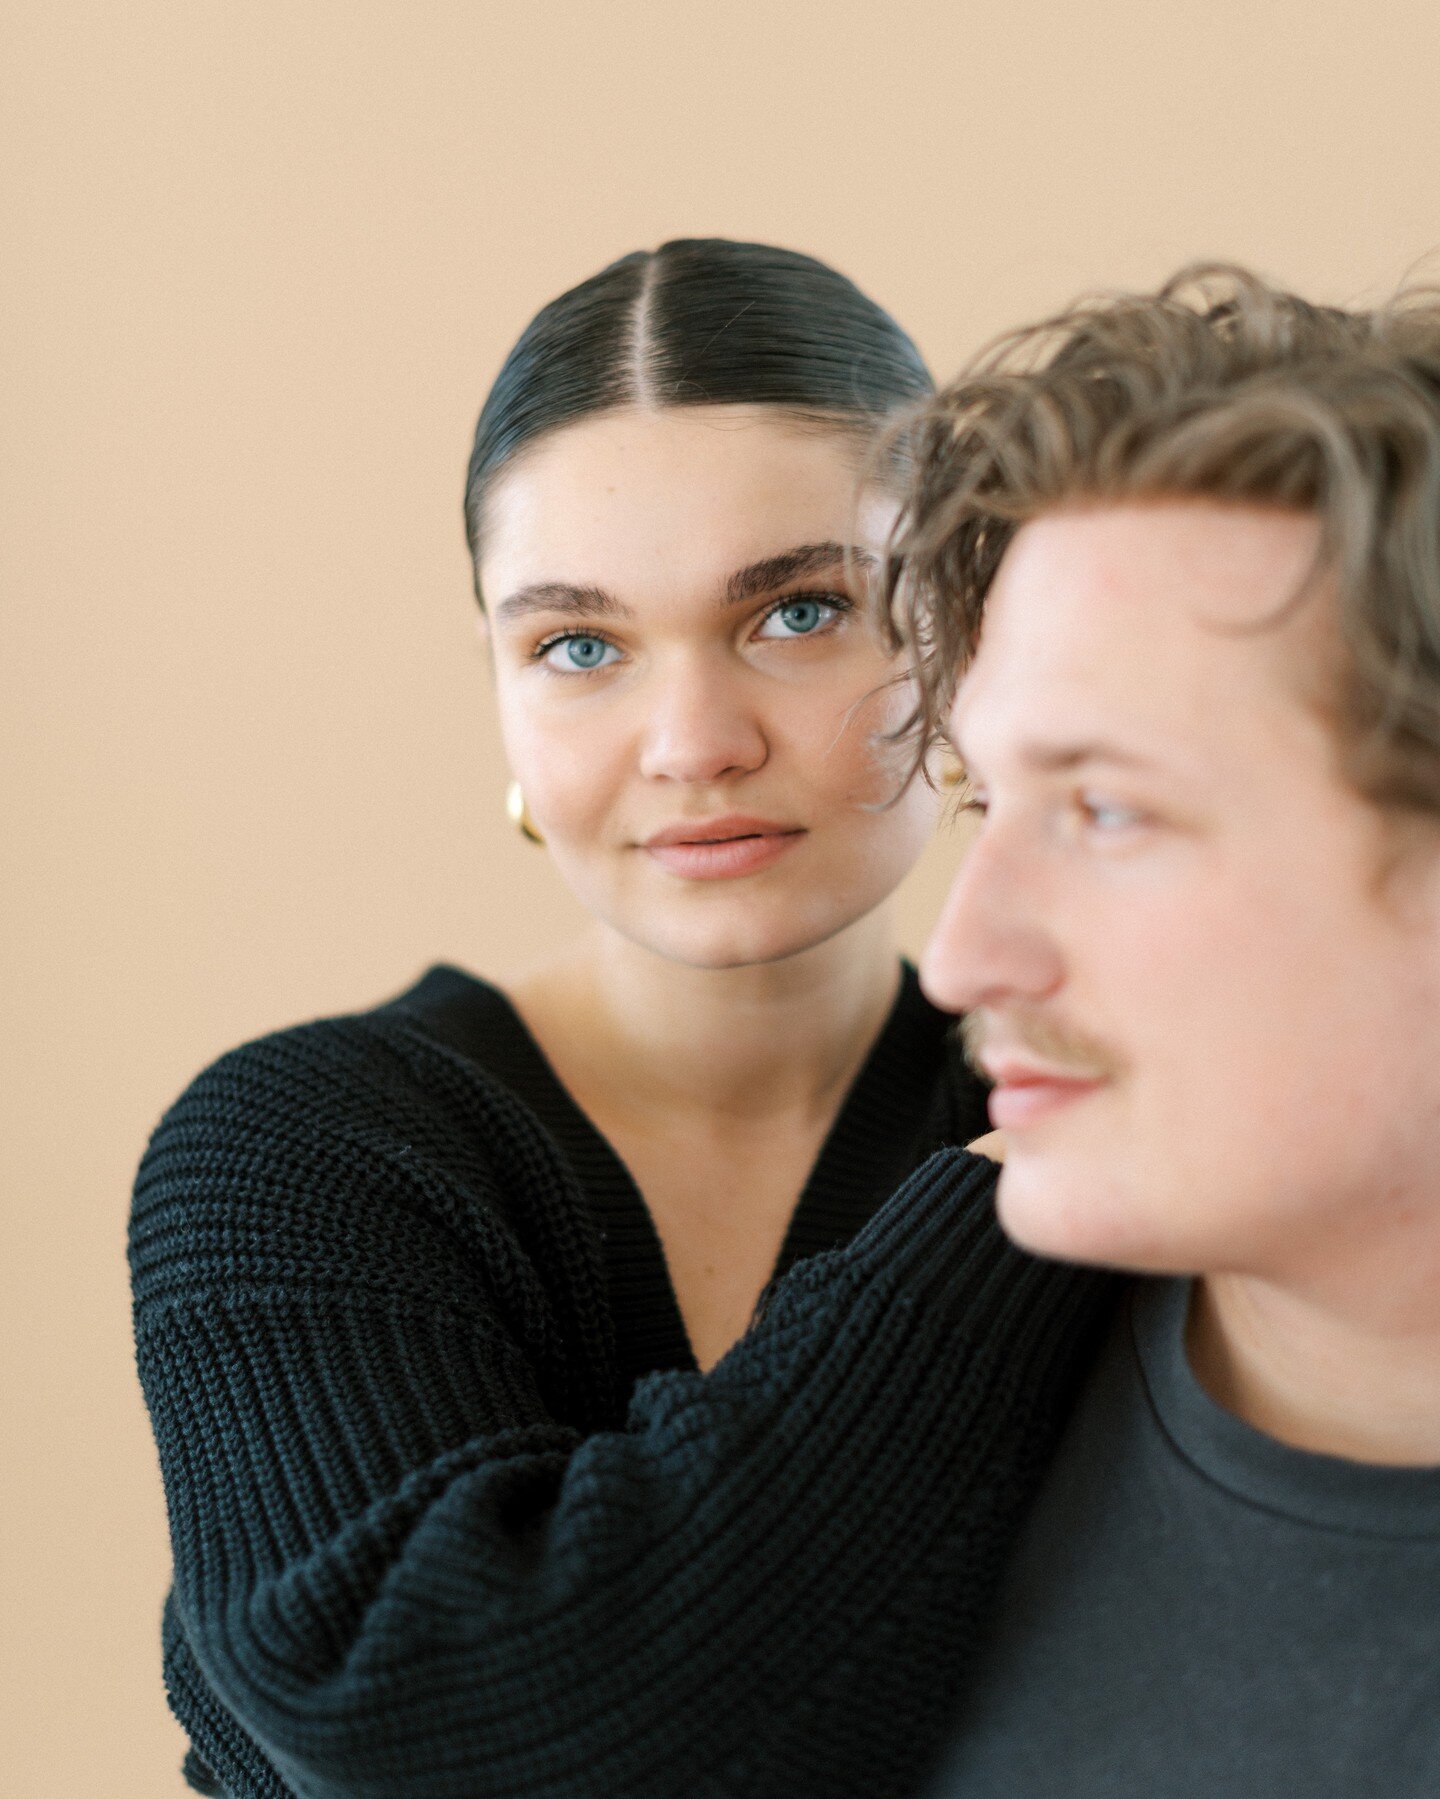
(745, 943)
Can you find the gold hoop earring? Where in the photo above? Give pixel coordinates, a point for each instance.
(519, 814)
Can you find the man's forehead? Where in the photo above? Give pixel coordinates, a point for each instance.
(1141, 620)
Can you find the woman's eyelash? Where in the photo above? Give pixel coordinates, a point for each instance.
(841, 602)
(835, 606)
(547, 644)
(837, 602)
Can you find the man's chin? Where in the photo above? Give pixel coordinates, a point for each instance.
(1065, 1211)
(1032, 1222)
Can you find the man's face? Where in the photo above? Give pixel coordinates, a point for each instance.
(1213, 1024)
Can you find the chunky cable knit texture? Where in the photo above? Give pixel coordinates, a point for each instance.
(430, 1544)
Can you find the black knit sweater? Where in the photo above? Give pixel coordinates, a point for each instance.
(433, 1541)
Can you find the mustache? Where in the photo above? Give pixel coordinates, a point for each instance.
(1064, 1047)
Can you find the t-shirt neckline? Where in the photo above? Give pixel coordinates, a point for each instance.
(1323, 1491)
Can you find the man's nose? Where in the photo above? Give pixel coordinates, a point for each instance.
(991, 943)
(699, 727)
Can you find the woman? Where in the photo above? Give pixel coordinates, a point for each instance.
(400, 1277)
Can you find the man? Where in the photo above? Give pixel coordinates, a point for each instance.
(1173, 565)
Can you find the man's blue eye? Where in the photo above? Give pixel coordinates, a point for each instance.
(582, 653)
(1109, 815)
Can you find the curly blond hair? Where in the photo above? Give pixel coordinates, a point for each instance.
(1217, 386)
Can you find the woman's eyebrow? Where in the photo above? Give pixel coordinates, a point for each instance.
(561, 596)
(757, 578)
(805, 559)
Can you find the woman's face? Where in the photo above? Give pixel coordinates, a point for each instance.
(691, 684)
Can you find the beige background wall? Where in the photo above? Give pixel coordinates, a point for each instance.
(259, 264)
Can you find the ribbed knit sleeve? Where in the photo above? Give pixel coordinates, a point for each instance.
(421, 1548)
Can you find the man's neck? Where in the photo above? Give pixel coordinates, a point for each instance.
(1357, 1381)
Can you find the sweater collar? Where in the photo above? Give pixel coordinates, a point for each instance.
(897, 1110)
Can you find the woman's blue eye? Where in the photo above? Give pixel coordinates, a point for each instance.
(798, 618)
(582, 653)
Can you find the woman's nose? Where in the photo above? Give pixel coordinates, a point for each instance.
(699, 728)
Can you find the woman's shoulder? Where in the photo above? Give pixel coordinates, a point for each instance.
(343, 1126)
(379, 1070)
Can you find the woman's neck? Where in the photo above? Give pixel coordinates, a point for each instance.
(627, 1029)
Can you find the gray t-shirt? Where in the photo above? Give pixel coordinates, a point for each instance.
(1196, 1611)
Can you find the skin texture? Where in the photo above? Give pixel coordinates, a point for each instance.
(1214, 1023)
(709, 1026)
(704, 708)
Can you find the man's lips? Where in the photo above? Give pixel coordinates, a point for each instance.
(1026, 1092)
(717, 849)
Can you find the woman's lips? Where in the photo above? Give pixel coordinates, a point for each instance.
(721, 848)
(1023, 1100)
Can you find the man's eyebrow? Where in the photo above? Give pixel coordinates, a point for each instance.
(805, 559)
(560, 596)
(1047, 756)
(1059, 758)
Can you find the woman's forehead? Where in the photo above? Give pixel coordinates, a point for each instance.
(630, 499)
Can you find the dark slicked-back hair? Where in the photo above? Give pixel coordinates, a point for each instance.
(698, 322)
(1218, 386)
